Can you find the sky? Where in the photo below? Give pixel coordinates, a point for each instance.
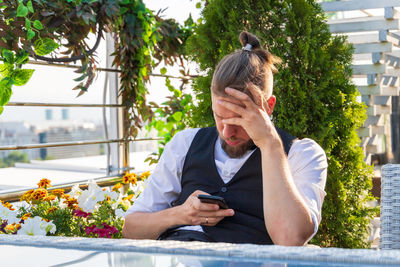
(53, 84)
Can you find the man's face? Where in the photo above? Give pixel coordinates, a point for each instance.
(235, 140)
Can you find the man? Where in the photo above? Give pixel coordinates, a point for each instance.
(273, 183)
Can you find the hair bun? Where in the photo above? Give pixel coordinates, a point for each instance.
(249, 38)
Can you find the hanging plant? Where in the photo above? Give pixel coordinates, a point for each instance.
(57, 31)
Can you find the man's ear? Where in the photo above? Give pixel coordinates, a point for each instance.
(271, 104)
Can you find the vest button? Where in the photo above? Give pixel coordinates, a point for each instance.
(224, 189)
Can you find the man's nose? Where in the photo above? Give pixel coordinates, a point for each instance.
(229, 130)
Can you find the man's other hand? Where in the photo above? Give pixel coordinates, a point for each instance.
(194, 212)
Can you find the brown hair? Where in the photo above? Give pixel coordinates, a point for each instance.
(241, 67)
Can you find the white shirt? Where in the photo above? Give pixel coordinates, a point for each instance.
(307, 162)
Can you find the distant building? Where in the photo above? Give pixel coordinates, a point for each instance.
(65, 114)
(18, 133)
(68, 132)
(49, 114)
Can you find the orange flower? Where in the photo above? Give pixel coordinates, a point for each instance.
(58, 192)
(116, 187)
(52, 209)
(8, 205)
(27, 195)
(10, 228)
(71, 202)
(144, 175)
(50, 198)
(39, 194)
(129, 197)
(26, 216)
(129, 178)
(44, 183)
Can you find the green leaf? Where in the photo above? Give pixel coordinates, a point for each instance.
(8, 56)
(22, 57)
(81, 78)
(30, 34)
(27, 24)
(44, 46)
(38, 25)
(177, 116)
(21, 76)
(159, 125)
(30, 6)
(198, 5)
(177, 93)
(123, 10)
(6, 69)
(163, 70)
(1, 110)
(143, 71)
(5, 91)
(22, 10)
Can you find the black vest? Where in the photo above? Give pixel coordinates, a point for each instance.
(243, 193)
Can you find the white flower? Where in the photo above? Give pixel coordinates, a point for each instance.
(75, 191)
(120, 213)
(138, 188)
(8, 215)
(88, 199)
(36, 226)
(113, 195)
(22, 204)
(62, 205)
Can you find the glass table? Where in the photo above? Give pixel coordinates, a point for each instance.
(98, 252)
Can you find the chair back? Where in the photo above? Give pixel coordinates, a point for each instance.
(390, 207)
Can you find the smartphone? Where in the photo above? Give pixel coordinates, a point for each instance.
(220, 201)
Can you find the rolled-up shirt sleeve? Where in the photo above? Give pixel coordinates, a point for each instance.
(164, 184)
(308, 164)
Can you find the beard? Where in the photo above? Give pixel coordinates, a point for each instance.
(236, 151)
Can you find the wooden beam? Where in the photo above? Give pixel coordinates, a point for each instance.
(378, 130)
(382, 109)
(391, 12)
(369, 89)
(364, 132)
(372, 149)
(371, 111)
(357, 5)
(382, 100)
(368, 69)
(373, 120)
(362, 24)
(390, 91)
(372, 47)
(363, 38)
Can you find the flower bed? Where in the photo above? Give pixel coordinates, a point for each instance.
(95, 212)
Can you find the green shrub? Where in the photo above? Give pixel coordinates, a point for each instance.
(315, 97)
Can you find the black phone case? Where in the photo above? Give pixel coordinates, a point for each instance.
(220, 201)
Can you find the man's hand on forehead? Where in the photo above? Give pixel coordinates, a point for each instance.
(256, 95)
(253, 117)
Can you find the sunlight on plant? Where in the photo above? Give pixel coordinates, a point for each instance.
(93, 212)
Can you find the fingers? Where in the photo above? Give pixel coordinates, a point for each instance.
(211, 221)
(214, 219)
(219, 213)
(258, 96)
(244, 98)
(232, 107)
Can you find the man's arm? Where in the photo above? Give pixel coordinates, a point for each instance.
(286, 215)
(143, 225)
